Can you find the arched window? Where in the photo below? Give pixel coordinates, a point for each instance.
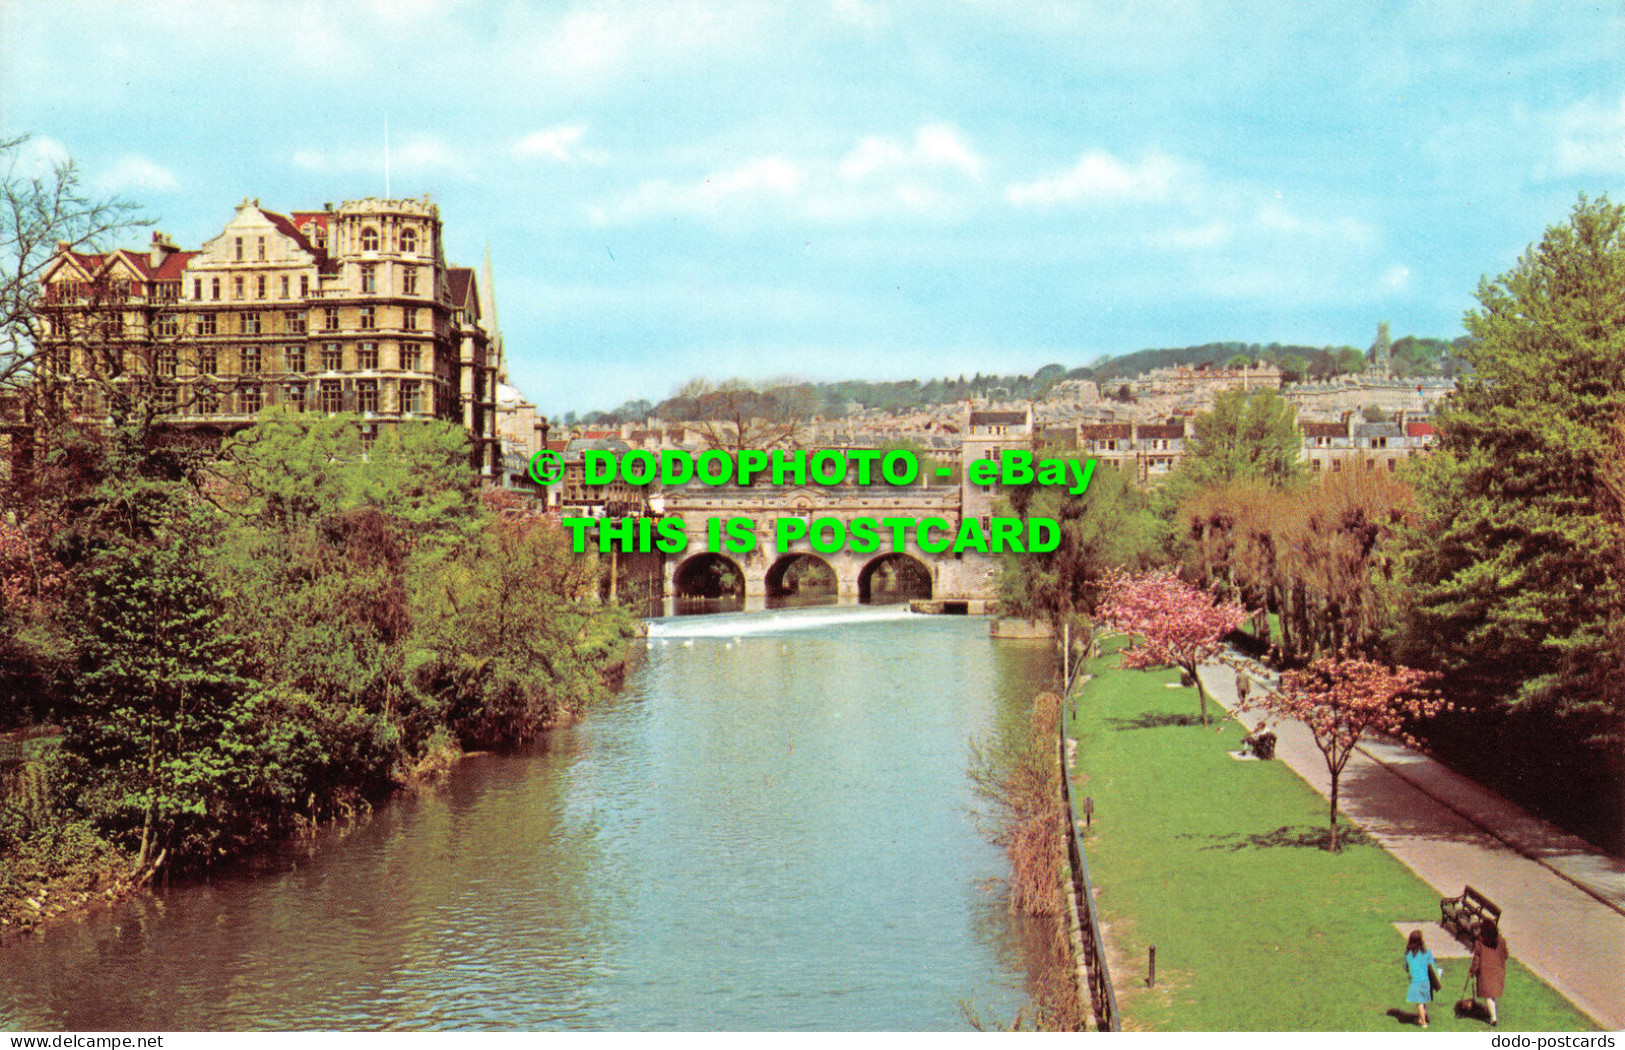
(369, 239)
(409, 240)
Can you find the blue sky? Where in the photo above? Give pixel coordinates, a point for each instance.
(862, 188)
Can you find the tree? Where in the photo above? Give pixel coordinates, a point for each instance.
(507, 638)
(1509, 594)
(1248, 434)
(737, 415)
(1179, 625)
(156, 688)
(42, 208)
(1342, 700)
(1321, 557)
(1294, 368)
(1348, 360)
(1108, 527)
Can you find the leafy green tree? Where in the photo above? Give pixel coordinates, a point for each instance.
(156, 686)
(1511, 593)
(509, 638)
(1247, 435)
(1294, 369)
(1108, 527)
(1349, 360)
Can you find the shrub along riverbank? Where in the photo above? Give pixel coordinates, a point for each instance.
(239, 645)
(1218, 864)
(1018, 773)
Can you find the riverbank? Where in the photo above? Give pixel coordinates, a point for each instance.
(1218, 864)
(58, 868)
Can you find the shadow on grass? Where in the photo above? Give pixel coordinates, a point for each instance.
(1405, 1017)
(1292, 837)
(1153, 720)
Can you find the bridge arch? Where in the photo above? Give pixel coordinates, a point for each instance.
(802, 575)
(893, 577)
(709, 581)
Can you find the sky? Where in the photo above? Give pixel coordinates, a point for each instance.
(831, 189)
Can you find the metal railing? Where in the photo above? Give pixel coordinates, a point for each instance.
(1102, 997)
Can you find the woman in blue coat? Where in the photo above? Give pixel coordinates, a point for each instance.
(1419, 966)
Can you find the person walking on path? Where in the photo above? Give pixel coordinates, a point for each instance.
(1490, 966)
(1419, 965)
(1244, 685)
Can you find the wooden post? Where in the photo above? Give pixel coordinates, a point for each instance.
(1088, 811)
(1151, 978)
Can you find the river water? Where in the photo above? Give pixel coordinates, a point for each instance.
(769, 828)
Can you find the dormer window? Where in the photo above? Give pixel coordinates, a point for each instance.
(321, 237)
(409, 240)
(369, 239)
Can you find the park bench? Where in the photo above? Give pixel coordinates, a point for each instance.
(1465, 915)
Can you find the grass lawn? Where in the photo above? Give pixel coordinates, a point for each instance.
(1217, 863)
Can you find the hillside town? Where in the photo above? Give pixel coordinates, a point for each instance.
(1366, 420)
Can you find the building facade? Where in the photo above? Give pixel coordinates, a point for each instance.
(348, 309)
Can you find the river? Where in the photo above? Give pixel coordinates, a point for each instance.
(769, 828)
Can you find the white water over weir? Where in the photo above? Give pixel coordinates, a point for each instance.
(770, 828)
(736, 625)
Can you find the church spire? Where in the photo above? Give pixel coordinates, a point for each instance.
(488, 310)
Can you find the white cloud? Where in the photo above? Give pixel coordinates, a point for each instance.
(135, 172)
(749, 185)
(561, 143)
(1276, 220)
(935, 147)
(861, 13)
(1201, 237)
(1396, 278)
(923, 176)
(1591, 139)
(1100, 177)
(601, 40)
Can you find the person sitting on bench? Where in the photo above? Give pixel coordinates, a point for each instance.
(1260, 741)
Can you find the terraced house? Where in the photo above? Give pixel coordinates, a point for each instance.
(349, 309)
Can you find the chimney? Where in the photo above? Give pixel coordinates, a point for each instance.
(160, 249)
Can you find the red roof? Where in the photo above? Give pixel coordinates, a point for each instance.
(1417, 430)
(1160, 430)
(1099, 431)
(168, 270)
(289, 229)
(141, 262)
(1325, 430)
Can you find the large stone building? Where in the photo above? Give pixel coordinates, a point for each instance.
(347, 309)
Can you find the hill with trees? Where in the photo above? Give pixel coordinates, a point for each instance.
(1412, 357)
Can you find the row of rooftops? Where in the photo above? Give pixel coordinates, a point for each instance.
(1350, 432)
(170, 267)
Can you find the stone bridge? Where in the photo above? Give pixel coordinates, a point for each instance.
(969, 575)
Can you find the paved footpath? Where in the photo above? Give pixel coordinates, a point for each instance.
(1563, 900)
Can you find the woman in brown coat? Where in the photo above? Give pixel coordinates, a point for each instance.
(1490, 965)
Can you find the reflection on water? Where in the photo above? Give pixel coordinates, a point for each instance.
(770, 828)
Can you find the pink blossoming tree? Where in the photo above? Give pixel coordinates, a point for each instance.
(1180, 625)
(1342, 699)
